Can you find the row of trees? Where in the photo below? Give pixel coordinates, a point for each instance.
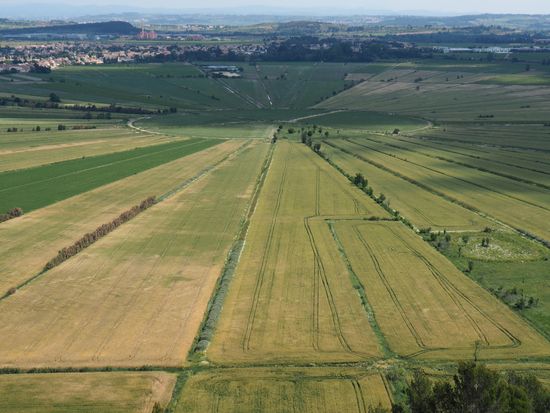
(54, 103)
(12, 213)
(91, 237)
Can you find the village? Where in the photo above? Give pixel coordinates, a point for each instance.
(47, 56)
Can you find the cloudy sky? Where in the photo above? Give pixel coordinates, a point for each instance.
(433, 6)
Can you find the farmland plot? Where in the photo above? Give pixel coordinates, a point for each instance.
(30, 241)
(112, 392)
(524, 159)
(76, 145)
(507, 186)
(275, 390)
(35, 188)
(527, 140)
(525, 175)
(424, 306)
(444, 100)
(423, 208)
(291, 297)
(137, 296)
(468, 187)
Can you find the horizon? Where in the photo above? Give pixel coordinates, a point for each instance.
(64, 9)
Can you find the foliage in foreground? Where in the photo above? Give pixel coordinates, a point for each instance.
(476, 389)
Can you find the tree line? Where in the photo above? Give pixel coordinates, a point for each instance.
(54, 103)
(477, 389)
(12, 213)
(91, 237)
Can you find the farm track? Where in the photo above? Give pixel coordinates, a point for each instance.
(245, 97)
(320, 277)
(361, 406)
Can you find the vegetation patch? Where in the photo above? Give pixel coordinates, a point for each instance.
(40, 186)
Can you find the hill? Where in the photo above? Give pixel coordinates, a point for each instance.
(106, 28)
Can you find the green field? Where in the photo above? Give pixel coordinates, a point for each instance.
(37, 187)
(444, 95)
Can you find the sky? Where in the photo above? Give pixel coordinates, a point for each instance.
(432, 6)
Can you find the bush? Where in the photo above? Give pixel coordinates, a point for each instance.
(13, 213)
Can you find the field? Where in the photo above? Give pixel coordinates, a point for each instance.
(37, 187)
(517, 204)
(29, 150)
(36, 237)
(85, 393)
(511, 266)
(319, 231)
(437, 314)
(112, 304)
(294, 299)
(443, 95)
(423, 208)
(283, 390)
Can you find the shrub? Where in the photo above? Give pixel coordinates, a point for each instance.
(13, 213)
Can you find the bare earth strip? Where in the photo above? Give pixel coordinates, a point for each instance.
(291, 297)
(27, 243)
(137, 296)
(276, 390)
(112, 392)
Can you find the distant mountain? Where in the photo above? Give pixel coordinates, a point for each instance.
(101, 28)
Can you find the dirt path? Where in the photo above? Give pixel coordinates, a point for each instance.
(131, 125)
